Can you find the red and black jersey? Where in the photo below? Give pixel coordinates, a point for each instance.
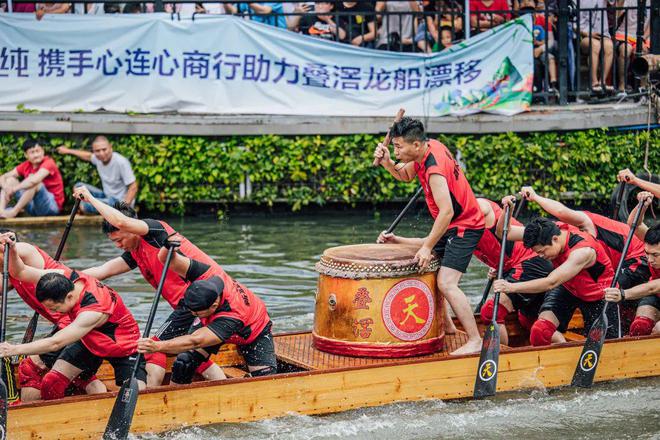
(241, 315)
(28, 292)
(146, 258)
(655, 273)
(612, 235)
(488, 248)
(439, 160)
(118, 336)
(589, 283)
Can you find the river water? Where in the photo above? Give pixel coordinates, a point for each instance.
(274, 255)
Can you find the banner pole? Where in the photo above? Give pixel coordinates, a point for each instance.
(466, 20)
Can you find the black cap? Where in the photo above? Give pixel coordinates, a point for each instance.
(201, 294)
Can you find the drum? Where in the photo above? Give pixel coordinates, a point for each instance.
(373, 302)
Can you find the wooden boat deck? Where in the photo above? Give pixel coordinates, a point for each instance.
(297, 349)
(50, 220)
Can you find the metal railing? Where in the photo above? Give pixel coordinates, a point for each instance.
(582, 48)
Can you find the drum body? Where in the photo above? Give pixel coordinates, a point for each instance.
(373, 302)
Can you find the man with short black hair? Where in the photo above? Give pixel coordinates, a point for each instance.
(228, 312)
(32, 369)
(582, 269)
(41, 192)
(141, 240)
(115, 171)
(101, 327)
(458, 220)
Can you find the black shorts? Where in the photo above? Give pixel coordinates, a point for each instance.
(651, 300)
(49, 358)
(80, 357)
(178, 323)
(563, 303)
(456, 251)
(532, 269)
(630, 278)
(259, 352)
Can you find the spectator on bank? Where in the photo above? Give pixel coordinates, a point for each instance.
(442, 25)
(41, 192)
(545, 49)
(319, 22)
(269, 13)
(51, 8)
(115, 170)
(483, 14)
(358, 20)
(626, 38)
(19, 7)
(132, 8)
(396, 27)
(596, 42)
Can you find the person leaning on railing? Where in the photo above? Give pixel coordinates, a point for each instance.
(441, 25)
(358, 20)
(625, 37)
(483, 17)
(269, 13)
(396, 26)
(594, 38)
(319, 24)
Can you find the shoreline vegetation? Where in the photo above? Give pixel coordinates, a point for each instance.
(176, 173)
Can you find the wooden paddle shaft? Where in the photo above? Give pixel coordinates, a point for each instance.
(403, 212)
(500, 264)
(388, 136)
(617, 201)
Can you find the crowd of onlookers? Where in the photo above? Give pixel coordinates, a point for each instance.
(603, 31)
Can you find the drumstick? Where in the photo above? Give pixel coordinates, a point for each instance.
(386, 141)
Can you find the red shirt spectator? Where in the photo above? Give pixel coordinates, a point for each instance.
(53, 182)
(483, 16)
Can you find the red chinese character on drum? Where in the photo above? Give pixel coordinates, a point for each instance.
(361, 327)
(362, 299)
(408, 310)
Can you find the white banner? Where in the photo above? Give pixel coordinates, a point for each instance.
(227, 65)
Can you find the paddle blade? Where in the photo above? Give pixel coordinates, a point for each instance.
(121, 417)
(486, 380)
(588, 362)
(31, 329)
(4, 403)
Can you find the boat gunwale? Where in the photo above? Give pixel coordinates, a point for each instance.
(232, 381)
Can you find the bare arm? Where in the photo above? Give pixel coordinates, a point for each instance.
(637, 292)
(20, 270)
(261, 9)
(131, 192)
(179, 263)
(576, 261)
(645, 198)
(114, 217)
(80, 154)
(11, 173)
(108, 269)
(630, 178)
(201, 338)
(515, 232)
(33, 179)
(560, 211)
(83, 324)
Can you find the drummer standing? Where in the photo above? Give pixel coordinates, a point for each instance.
(458, 221)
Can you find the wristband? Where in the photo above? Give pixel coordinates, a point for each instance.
(623, 295)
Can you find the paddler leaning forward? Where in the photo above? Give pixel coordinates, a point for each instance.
(101, 327)
(141, 239)
(228, 312)
(458, 221)
(34, 371)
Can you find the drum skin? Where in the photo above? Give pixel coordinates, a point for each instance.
(373, 302)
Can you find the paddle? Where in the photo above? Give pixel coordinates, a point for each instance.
(388, 138)
(403, 212)
(617, 201)
(8, 391)
(484, 297)
(588, 362)
(119, 423)
(519, 208)
(486, 380)
(31, 329)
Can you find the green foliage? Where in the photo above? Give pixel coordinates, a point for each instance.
(304, 170)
